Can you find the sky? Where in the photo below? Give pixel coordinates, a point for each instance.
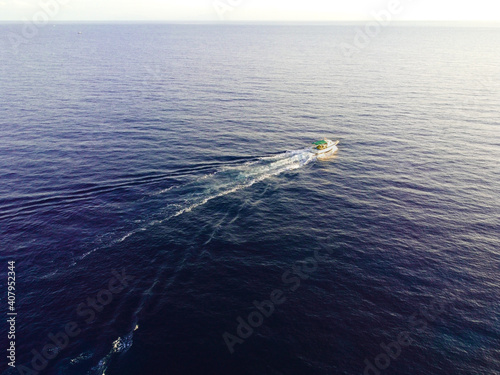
(250, 10)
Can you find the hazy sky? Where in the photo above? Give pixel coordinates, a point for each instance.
(244, 10)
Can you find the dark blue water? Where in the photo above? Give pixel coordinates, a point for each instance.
(176, 157)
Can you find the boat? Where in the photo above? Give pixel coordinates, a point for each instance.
(326, 146)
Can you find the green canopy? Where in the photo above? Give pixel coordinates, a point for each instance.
(320, 143)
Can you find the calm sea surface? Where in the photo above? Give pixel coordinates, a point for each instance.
(166, 216)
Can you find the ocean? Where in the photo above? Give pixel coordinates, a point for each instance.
(165, 213)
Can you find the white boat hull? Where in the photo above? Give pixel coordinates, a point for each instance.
(330, 148)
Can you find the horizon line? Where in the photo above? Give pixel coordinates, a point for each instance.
(257, 22)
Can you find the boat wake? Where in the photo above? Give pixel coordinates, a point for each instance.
(168, 202)
(178, 200)
(120, 346)
(231, 179)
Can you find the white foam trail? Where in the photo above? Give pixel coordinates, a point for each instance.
(81, 357)
(130, 233)
(162, 191)
(205, 200)
(120, 345)
(251, 173)
(226, 181)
